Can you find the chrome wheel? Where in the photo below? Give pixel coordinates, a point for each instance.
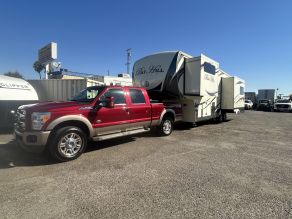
(167, 127)
(70, 145)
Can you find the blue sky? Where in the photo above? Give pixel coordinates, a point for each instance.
(249, 38)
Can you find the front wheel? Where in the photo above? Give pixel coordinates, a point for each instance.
(68, 143)
(166, 126)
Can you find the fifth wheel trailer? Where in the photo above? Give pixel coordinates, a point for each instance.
(196, 84)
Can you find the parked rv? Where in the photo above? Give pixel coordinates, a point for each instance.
(96, 113)
(13, 93)
(196, 85)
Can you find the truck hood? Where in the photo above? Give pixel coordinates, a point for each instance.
(54, 106)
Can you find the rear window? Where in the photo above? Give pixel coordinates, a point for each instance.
(137, 96)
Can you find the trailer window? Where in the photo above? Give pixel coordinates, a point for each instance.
(209, 68)
(137, 96)
(241, 90)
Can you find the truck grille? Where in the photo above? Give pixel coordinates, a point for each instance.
(283, 106)
(20, 120)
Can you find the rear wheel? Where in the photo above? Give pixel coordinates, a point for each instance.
(224, 117)
(221, 118)
(68, 143)
(166, 126)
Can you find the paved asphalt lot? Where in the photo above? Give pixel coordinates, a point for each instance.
(238, 169)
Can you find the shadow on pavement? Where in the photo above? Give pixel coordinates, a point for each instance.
(11, 155)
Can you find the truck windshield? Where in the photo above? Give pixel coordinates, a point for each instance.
(88, 94)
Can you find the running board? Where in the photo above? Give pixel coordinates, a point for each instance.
(119, 134)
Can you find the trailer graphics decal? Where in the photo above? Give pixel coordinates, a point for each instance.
(151, 69)
(170, 85)
(14, 86)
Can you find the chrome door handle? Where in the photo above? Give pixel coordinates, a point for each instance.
(126, 109)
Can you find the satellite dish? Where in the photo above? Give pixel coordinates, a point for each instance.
(56, 64)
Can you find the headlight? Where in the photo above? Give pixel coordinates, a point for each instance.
(38, 119)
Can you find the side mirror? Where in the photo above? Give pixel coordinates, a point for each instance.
(110, 102)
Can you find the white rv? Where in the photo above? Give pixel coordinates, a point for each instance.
(196, 85)
(13, 93)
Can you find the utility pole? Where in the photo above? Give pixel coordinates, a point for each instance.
(129, 55)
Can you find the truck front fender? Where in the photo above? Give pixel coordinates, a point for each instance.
(72, 118)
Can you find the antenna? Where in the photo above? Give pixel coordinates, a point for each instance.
(129, 55)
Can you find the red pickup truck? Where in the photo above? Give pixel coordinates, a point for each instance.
(96, 113)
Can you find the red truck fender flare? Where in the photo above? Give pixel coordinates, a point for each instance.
(67, 118)
(169, 111)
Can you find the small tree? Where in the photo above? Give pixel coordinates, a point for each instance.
(290, 96)
(14, 74)
(38, 67)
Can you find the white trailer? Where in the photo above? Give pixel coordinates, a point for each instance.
(13, 93)
(232, 93)
(197, 84)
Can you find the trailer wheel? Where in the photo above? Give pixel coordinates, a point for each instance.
(166, 126)
(68, 143)
(224, 117)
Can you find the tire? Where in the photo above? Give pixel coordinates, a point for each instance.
(166, 126)
(67, 143)
(219, 119)
(224, 117)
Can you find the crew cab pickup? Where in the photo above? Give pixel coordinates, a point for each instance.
(96, 113)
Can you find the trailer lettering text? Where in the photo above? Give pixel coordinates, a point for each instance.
(152, 69)
(155, 68)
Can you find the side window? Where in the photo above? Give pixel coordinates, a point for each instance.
(209, 68)
(137, 96)
(118, 94)
(241, 90)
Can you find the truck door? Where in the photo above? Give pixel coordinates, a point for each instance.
(140, 109)
(113, 120)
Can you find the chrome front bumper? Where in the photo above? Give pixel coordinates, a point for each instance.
(32, 140)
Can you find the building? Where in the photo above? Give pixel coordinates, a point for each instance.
(120, 80)
(266, 94)
(251, 96)
(89, 82)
